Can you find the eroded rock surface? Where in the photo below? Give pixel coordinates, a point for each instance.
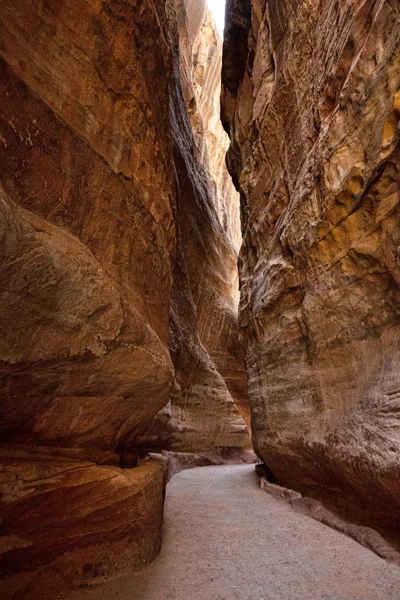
(79, 520)
(86, 216)
(99, 161)
(118, 294)
(311, 95)
(209, 402)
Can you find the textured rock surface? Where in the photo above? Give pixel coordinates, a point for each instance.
(81, 521)
(94, 236)
(117, 272)
(84, 329)
(311, 98)
(201, 64)
(205, 342)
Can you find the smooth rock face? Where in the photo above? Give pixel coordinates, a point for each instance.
(311, 97)
(79, 520)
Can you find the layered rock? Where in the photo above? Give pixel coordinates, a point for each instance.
(118, 269)
(79, 520)
(311, 96)
(86, 216)
(200, 50)
(205, 342)
(87, 146)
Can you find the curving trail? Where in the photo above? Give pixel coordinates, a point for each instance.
(225, 539)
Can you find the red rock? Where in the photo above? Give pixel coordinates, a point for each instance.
(82, 521)
(118, 295)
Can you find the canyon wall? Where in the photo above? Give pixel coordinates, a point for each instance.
(118, 302)
(209, 406)
(311, 99)
(88, 236)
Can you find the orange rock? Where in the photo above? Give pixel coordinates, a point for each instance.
(75, 523)
(309, 98)
(118, 295)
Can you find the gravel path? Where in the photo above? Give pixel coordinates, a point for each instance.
(225, 539)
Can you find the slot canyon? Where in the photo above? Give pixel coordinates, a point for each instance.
(200, 271)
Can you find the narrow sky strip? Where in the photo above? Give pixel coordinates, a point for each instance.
(217, 7)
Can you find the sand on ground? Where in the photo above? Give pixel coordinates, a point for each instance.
(225, 539)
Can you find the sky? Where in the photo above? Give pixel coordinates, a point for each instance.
(217, 8)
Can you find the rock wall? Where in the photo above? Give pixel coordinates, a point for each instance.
(89, 173)
(117, 270)
(311, 99)
(209, 404)
(87, 215)
(200, 48)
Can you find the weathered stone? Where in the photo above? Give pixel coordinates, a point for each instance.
(88, 131)
(311, 100)
(209, 402)
(118, 294)
(81, 521)
(84, 327)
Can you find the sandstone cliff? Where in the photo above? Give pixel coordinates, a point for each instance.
(311, 98)
(86, 218)
(87, 151)
(118, 269)
(205, 342)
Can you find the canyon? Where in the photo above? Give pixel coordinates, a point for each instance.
(180, 285)
(119, 240)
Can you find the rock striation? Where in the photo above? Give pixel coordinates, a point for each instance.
(86, 216)
(91, 167)
(311, 99)
(209, 406)
(82, 521)
(118, 296)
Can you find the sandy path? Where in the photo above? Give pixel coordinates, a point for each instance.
(225, 539)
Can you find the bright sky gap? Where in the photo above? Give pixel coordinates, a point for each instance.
(217, 7)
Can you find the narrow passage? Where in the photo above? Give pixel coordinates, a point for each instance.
(225, 539)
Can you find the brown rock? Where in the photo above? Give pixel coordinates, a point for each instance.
(84, 328)
(200, 68)
(311, 100)
(209, 402)
(118, 281)
(65, 348)
(89, 170)
(81, 521)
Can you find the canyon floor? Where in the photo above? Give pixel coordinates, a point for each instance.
(225, 539)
